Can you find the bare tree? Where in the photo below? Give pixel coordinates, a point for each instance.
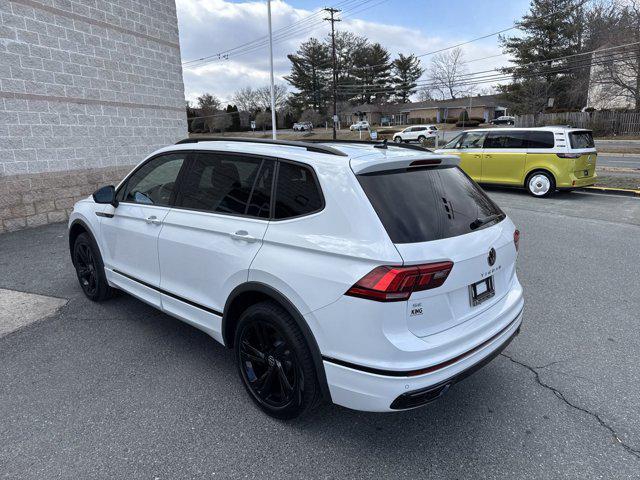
(446, 74)
(311, 116)
(263, 96)
(208, 105)
(424, 94)
(222, 121)
(246, 99)
(263, 120)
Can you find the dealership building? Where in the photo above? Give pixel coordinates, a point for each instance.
(87, 89)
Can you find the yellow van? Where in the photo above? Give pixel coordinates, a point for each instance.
(541, 159)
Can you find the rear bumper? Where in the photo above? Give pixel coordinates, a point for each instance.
(575, 182)
(379, 392)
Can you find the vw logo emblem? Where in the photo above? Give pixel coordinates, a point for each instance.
(491, 259)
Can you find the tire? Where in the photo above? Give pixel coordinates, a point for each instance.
(90, 269)
(397, 139)
(421, 138)
(540, 184)
(270, 349)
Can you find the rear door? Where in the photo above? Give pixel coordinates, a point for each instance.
(504, 157)
(215, 230)
(430, 215)
(581, 143)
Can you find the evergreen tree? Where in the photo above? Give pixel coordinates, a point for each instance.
(406, 71)
(552, 29)
(372, 70)
(311, 74)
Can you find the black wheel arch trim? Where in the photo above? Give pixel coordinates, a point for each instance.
(277, 296)
(86, 228)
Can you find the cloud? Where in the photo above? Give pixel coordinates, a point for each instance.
(211, 26)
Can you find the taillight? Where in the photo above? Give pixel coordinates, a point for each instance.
(395, 284)
(569, 155)
(516, 239)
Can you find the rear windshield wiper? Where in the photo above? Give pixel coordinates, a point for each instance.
(478, 222)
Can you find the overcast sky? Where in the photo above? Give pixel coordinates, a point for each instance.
(209, 27)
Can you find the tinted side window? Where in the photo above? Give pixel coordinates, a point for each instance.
(297, 192)
(228, 184)
(154, 182)
(506, 140)
(540, 139)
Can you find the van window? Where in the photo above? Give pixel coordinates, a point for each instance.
(424, 204)
(537, 139)
(297, 191)
(581, 139)
(506, 139)
(472, 140)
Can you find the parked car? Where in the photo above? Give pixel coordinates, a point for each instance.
(542, 160)
(361, 125)
(417, 133)
(504, 120)
(350, 280)
(302, 126)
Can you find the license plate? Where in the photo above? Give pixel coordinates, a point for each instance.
(481, 291)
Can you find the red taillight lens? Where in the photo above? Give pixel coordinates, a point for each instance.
(569, 155)
(516, 239)
(395, 284)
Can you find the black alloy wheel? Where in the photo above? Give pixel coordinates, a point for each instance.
(86, 269)
(90, 269)
(274, 362)
(269, 366)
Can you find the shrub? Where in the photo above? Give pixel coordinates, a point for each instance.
(468, 123)
(451, 120)
(477, 119)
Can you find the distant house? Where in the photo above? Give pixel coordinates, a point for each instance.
(486, 107)
(382, 114)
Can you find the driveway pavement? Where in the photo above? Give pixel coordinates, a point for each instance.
(119, 390)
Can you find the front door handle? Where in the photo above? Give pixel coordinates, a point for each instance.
(243, 235)
(153, 220)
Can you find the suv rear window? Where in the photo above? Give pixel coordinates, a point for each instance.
(425, 204)
(581, 140)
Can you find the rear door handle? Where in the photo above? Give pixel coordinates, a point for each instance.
(243, 235)
(154, 220)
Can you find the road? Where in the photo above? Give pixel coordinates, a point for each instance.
(119, 390)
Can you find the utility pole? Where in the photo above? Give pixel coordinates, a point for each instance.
(333, 20)
(273, 99)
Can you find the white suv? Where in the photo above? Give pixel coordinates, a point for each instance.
(416, 133)
(361, 125)
(372, 275)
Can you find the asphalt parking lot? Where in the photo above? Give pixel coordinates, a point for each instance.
(120, 390)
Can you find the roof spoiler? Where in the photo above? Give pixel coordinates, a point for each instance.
(364, 166)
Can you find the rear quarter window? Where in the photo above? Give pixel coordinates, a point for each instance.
(425, 204)
(581, 140)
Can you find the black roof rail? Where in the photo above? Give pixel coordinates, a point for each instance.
(374, 143)
(288, 143)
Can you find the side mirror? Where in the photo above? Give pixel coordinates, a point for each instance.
(106, 195)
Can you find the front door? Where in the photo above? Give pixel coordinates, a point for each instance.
(504, 158)
(210, 238)
(130, 231)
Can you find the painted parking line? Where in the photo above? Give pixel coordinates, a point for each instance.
(18, 309)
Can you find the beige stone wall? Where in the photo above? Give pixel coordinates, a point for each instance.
(30, 200)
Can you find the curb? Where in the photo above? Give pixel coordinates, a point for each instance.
(627, 192)
(614, 154)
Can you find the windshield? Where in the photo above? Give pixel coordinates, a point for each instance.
(452, 143)
(430, 203)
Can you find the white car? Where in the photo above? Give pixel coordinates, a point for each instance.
(372, 276)
(417, 133)
(361, 125)
(302, 126)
